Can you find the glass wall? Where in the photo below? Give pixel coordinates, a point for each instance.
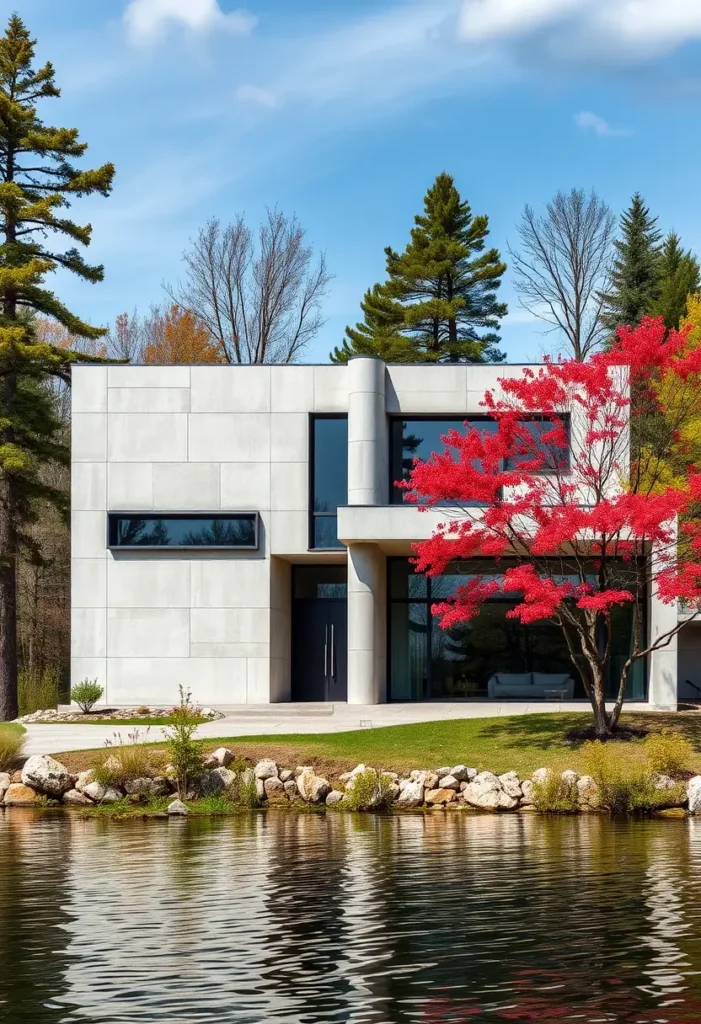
(329, 479)
(427, 662)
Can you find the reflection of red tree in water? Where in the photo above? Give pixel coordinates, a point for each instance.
(616, 1002)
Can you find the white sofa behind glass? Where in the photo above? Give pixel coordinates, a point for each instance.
(529, 685)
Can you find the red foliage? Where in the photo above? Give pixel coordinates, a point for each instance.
(513, 495)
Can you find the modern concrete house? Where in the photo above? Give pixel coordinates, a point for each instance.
(237, 530)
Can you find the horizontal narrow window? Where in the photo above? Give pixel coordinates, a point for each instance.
(238, 530)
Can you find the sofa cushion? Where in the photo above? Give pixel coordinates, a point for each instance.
(514, 678)
(551, 680)
(514, 690)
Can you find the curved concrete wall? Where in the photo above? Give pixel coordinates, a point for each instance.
(367, 433)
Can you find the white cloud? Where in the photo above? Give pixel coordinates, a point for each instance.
(256, 96)
(634, 30)
(590, 122)
(148, 20)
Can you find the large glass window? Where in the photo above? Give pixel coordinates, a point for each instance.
(329, 478)
(189, 530)
(419, 438)
(427, 661)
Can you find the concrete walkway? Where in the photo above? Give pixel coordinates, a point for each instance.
(283, 719)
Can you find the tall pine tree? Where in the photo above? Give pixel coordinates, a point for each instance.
(678, 279)
(635, 274)
(37, 183)
(440, 293)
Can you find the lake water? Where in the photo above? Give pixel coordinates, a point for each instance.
(278, 916)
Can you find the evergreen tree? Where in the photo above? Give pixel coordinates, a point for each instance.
(440, 293)
(678, 279)
(37, 182)
(379, 334)
(635, 273)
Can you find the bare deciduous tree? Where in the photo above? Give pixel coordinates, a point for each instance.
(563, 266)
(261, 300)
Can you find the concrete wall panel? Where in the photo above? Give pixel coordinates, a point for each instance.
(148, 632)
(194, 485)
(147, 437)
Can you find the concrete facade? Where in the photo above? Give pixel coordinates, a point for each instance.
(220, 438)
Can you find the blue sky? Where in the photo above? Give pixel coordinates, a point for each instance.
(344, 112)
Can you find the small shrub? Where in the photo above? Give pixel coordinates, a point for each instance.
(87, 694)
(128, 759)
(244, 791)
(11, 743)
(143, 710)
(626, 785)
(555, 795)
(668, 753)
(186, 754)
(37, 691)
(368, 789)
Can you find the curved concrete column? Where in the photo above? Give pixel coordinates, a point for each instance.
(366, 624)
(368, 472)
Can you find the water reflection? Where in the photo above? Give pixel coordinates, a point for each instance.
(297, 918)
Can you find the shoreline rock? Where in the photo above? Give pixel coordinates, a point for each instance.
(44, 780)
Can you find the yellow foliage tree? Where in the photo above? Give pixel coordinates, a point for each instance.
(670, 442)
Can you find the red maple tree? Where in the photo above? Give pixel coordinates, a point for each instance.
(560, 489)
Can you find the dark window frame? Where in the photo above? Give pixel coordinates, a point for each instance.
(313, 515)
(458, 420)
(113, 515)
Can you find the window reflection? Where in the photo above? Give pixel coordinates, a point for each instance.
(329, 478)
(184, 531)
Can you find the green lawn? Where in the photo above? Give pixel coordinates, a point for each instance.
(521, 742)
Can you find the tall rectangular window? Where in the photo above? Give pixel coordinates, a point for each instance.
(329, 479)
(237, 530)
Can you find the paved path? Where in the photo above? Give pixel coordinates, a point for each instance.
(282, 719)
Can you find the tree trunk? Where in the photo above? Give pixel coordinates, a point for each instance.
(602, 723)
(8, 582)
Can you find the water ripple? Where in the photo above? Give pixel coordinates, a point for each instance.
(280, 917)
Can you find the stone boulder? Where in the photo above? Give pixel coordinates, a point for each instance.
(435, 797)
(83, 779)
(266, 769)
(587, 792)
(19, 795)
(449, 782)
(442, 772)
(221, 779)
(511, 784)
(570, 777)
(177, 808)
(528, 790)
(693, 794)
(285, 775)
(146, 787)
(43, 773)
(290, 787)
(101, 794)
(664, 782)
(486, 792)
(335, 797)
(5, 783)
(463, 774)
(312, 788)
(411, 793)
(540, 776)
(219, 758)
(73, 798)
(274, 788)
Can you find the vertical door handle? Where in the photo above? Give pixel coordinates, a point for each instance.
(326, 651)
(332, 651)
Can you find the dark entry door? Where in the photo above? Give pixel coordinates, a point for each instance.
(319, 634)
